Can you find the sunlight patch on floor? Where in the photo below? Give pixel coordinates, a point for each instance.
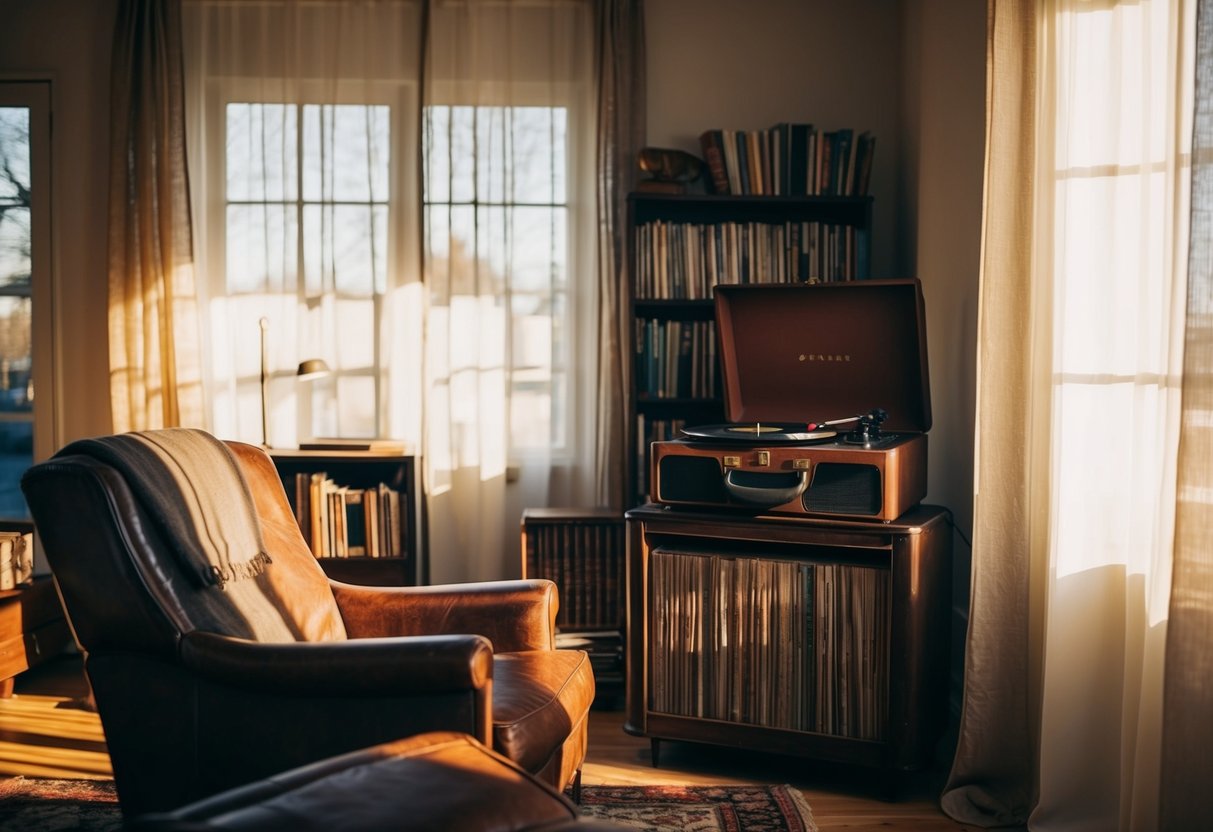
(45, 736)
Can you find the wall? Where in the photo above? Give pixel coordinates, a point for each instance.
(747, 65)
(944, 106)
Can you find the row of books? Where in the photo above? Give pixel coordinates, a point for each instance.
(777, 643)
(586, 560)
(685, 260)
(16, 559)
(789, 159)
(338, 521)
(648, 431)
(675, 359)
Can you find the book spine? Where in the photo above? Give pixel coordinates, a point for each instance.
(710, 142)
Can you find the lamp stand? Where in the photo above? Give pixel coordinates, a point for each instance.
(264, 323)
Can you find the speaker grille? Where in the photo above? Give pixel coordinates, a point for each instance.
(690, 479)
(844, 488)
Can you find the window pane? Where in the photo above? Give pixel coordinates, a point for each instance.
(16, 455)
(261, 248)
(539, 254)
(345, 247)
(497, 237)
(261, 155)
(16, 267)
(345, 153)
(538, 136)
(14, 197)
(16, 388)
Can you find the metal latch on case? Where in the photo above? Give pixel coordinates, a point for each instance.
(802, 464)
(730, 461)
(764, 458)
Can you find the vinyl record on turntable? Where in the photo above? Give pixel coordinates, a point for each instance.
(760, 432)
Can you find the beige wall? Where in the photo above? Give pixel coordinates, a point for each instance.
(944, 103)
(748, 64)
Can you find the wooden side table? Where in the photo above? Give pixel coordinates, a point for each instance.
(32, 629)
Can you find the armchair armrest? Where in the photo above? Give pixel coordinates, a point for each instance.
(513, 615)
(359, 667)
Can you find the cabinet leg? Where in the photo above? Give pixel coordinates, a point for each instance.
(655, 751)
(6, 687)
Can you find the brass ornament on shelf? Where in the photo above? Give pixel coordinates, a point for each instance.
(669, 170)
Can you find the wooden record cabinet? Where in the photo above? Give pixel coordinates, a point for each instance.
(818, 638)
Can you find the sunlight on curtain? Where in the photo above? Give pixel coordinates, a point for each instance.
(508, 147)
(1121, 77)
(154, 345)
(304, 144)
(1080, 604)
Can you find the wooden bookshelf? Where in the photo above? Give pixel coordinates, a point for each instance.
(389, 556)
(816, 638)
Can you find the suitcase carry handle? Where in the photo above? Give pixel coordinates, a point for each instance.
(766, 495)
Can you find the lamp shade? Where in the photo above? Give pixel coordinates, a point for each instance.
(312, 368)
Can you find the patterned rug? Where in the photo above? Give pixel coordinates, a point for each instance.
(30, 803)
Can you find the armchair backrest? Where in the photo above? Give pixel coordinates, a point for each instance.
(123, 590)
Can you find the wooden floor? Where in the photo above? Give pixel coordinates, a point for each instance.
(45, 732)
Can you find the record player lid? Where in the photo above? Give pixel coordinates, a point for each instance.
(796, 352)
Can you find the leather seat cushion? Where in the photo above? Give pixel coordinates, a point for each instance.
(435, 781)
(538, 699)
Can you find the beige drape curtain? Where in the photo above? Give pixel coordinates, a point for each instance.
(1083, 291)
(1187, 756)
(992, 776)
(155, 357)
(621, 133)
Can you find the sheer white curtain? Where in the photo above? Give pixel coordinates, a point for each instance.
(339, 145)
(303, 128)
(1085, 252)
(511, 335)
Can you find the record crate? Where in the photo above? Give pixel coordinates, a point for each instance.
(583, 551)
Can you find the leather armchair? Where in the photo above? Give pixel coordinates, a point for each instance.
(201, 689)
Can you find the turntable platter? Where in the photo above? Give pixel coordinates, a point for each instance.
(760, 432)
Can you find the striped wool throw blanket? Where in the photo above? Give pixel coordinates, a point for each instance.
(191, 484)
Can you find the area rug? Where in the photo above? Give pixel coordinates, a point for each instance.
(31, 803)
(700, 808)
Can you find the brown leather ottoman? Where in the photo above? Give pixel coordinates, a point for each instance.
(440, 781)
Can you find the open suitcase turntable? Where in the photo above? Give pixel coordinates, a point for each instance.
(788, 350)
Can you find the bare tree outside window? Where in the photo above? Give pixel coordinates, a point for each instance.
(16, 387)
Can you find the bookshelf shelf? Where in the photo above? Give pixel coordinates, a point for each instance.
(817, 638)
(393, 557)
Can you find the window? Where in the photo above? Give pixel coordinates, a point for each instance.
(306, 225)
(314, 241)
(496, 190)
(24, 272)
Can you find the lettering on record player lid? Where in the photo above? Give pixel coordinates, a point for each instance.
(792, 352)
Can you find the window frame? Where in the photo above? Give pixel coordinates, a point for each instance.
(36, 96)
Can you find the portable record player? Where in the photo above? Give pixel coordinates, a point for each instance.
(828, 397)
